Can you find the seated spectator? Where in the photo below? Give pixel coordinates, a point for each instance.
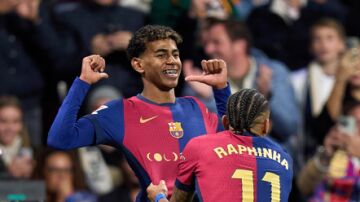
(346, 90)
(314, 83)
(63, 177)
(74, 30)
(333, 174)
(231, 41)
(15, 150)
(281, 28)
(20, 75)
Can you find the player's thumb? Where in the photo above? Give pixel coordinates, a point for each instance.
(104, 75)
(195, 78)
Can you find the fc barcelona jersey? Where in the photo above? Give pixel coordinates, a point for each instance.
(152, 136)
(229, 167)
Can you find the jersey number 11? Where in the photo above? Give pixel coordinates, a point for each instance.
(247, 179)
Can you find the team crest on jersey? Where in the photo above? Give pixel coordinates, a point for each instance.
(176, 130)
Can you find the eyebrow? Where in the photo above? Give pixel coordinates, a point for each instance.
(165, 50)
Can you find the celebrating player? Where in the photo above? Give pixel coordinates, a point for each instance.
(153, 127)
(238, 164)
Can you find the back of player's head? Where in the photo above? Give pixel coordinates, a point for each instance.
(149, 33)
(246, 109)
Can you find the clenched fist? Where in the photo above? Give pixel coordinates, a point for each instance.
(92, 69)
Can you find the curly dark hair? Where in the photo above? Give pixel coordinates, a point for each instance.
(244, 107)
(149, 33)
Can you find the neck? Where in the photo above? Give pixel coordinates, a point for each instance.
(153, 93)
(239, 67)
(330, 67)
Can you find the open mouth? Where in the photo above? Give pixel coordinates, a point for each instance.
(173, 73)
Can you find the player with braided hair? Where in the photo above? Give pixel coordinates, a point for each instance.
(240, 164)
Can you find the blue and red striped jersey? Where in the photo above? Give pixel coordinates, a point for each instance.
(229, 167)
(151, 136)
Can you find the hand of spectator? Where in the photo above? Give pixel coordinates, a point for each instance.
(263, 81)
(119, 40)
(93, 68)
(349, 64)
(29, 10)
(152, 190)
(352, 144)
(7, 6)
(214, 74)
(200, 88)
(333, 141)
(100, 45)
(21, 167)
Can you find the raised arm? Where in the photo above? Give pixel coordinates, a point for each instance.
(215, 75)
(66, 131)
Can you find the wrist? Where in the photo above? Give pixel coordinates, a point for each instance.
(83, 78)
(221, 86)
(159, 196)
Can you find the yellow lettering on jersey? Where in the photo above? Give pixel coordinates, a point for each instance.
(285, 164)
(231, 149)
(276, 156)
(267, 153)
(259, 151)
(220, 152)
(252, 151)
(241, 148)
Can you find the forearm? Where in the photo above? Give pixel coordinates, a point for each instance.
(221, 96)
(66, 132)
(334, 103)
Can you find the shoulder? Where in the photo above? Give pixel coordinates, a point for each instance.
(208, 139)
(109, 107)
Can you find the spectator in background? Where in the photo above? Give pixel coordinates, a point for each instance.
(20, 75)
(333, 174)
(63, 177)
(281, 27)
(15, 149)
(314, 83)
(74, 30)
(230, 40)
(345, 90)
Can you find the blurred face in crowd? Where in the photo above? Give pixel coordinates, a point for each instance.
(58, 169)
(327, 44)
(10, 124)
(218, 44)
(160, 64)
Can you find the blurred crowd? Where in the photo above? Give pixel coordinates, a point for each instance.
(303, 55)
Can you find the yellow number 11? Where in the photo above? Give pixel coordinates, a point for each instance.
(247, 180)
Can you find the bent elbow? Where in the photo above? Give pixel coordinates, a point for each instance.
(55, 143)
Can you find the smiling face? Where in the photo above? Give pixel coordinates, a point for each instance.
(10, 124)
(160, 64)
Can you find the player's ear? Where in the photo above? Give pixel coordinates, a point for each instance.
(136, 64)
(266, 127)
(225, 122)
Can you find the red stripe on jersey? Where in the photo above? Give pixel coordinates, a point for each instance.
(148, 138)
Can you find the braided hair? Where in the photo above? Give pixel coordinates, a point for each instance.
(244, 107)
